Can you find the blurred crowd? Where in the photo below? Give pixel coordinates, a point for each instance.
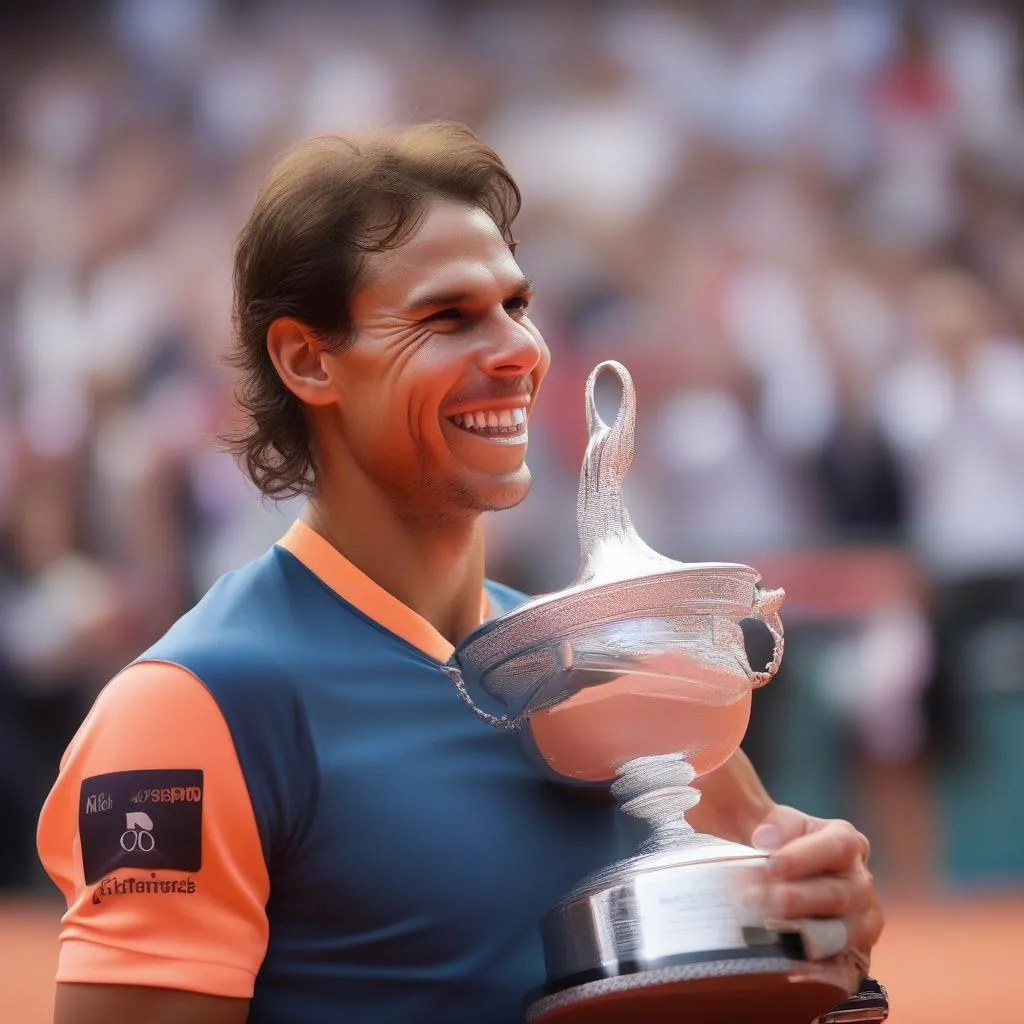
(799, 224)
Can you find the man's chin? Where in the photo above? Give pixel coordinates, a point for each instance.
(497, 495)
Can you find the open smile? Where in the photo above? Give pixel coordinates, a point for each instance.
(504, 426)
(491, 421)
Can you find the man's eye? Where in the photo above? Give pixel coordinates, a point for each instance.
(446, 314)
(518, 304)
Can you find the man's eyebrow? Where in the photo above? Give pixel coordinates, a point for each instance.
(427, 300)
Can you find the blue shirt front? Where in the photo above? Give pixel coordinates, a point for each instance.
(411, 848)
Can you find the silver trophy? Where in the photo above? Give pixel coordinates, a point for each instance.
(636, 676)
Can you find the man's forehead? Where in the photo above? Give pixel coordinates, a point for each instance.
(455, 247)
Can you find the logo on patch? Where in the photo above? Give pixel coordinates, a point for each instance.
(138, 833)
(156, 821)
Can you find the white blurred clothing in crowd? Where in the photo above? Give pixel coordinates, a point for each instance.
(961, 436)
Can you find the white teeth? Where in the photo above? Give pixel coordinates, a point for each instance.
(503, 419)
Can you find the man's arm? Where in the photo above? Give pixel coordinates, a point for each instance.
(101, 1004)
(150, 833)
(733, 801)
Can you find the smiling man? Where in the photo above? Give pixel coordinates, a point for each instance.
(282, 811)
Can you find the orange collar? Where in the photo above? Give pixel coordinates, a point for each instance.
(353, 585)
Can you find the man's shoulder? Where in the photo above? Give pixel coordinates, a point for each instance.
(230, 617)
(257, 618)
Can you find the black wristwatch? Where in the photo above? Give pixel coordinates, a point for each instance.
(868, 1006)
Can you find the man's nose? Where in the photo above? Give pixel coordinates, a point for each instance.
(512, 349)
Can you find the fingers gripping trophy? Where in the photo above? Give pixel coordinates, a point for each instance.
(636, 675)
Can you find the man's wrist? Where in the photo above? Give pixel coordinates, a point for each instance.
(868, 1005)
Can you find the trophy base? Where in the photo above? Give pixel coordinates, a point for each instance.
(765, 990)
(664, 935)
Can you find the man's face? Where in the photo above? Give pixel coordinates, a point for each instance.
(437, 385)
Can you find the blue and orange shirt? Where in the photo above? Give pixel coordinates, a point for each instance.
(285, 799)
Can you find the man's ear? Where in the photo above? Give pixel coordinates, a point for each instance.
(297, 355)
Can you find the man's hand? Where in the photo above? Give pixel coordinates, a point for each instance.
(819, 869)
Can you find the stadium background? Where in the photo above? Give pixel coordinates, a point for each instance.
(801, 227)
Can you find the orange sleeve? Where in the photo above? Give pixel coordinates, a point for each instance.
(150, 834)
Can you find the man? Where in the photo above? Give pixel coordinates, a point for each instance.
(282, 811)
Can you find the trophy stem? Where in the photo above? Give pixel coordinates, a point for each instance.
(657, 790)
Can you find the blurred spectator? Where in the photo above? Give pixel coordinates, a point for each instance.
(954, 410)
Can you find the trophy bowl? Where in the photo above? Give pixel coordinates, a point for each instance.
(636, 677)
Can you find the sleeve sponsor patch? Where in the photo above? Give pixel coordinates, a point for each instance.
(150, 818)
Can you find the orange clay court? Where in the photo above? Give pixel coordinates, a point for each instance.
(953, 960)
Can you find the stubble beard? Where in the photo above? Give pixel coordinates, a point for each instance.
(455, 501)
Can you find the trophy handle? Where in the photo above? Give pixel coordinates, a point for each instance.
(766, 610)
(501, 722)
(616, 439)
(607, 535)
(600, 509)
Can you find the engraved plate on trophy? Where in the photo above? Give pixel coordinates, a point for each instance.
(686, 918)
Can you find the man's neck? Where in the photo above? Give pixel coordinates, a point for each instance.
(434, 568)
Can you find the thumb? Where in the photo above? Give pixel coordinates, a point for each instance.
(782, 825)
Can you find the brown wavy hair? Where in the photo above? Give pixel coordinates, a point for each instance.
(301, 254)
